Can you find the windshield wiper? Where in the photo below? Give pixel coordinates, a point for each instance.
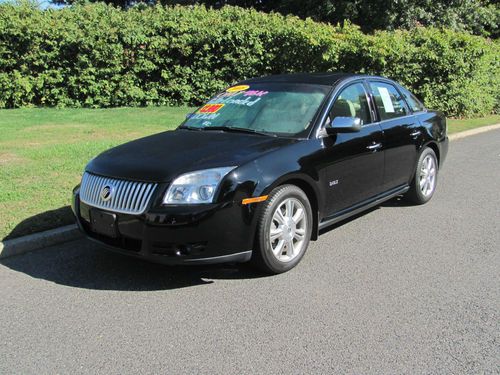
(238, 130)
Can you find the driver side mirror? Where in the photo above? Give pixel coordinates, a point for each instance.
(342, 124)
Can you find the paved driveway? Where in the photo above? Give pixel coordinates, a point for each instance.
(397, 290)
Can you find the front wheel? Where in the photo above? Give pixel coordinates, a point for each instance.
(424, 181)
(284, 230)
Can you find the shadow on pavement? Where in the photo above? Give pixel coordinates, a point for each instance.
(398, 201)
(83, 264)
(41, 222)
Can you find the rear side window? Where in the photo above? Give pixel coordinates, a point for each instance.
(415, 104)
(389, 102)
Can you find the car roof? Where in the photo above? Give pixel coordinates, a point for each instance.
(329, 79)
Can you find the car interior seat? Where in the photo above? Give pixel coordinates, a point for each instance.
(343, 108)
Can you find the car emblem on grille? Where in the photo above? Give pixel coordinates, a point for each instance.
(106, 193)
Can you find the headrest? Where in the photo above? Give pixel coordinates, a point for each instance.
(343, 108)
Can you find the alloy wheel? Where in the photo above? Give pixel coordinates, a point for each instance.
(427, 177)
(287, 232)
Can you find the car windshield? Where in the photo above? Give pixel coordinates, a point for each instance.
(269, 108)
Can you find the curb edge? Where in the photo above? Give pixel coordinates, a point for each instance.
(475, 131)
(39, 240)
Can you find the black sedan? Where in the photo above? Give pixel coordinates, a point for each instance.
(256, 172)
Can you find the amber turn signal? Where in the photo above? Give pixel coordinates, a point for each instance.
(262, 198)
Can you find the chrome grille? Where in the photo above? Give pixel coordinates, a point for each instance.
(128, 197)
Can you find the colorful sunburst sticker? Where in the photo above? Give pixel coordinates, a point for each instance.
(210, 108)
(238, 88)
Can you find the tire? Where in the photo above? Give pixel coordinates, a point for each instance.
(424, 182)
(281, 251)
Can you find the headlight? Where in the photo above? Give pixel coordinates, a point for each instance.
(195, 187)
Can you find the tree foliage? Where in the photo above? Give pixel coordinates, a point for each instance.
(96, 55)
(480, 17)
(475, 16)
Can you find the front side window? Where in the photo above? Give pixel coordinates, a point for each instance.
(274, 108)
(389, 102)
(352, 102)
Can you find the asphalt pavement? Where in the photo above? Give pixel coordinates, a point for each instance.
(399, 289)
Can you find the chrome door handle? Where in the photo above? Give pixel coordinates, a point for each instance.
(374, 146)
(415, 133)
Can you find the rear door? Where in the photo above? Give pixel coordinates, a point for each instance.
(402, 132)
(354, 162)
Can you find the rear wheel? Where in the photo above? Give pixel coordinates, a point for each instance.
(284, 230)
(424, 181)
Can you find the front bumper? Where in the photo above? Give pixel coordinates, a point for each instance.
(202, 234)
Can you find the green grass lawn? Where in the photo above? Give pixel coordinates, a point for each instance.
(455, 126)
(43, 153)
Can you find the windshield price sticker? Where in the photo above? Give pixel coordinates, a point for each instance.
(255, 93)
(238, 88)
(210, 108)
(204, 116)
(248, 101)
(245, 98)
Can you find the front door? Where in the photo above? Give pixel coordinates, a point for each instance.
(354, 162)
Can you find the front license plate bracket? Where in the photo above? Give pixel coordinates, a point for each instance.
(103, 223)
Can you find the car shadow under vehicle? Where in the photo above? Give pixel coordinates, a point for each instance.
(398, 201)
(84, 264)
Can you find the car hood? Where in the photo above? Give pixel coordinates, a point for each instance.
(164, 156)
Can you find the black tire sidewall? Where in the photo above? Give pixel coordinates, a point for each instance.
(277, 196)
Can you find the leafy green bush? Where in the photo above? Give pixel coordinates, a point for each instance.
(99, 56)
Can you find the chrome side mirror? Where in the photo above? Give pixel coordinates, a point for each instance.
(342, 124)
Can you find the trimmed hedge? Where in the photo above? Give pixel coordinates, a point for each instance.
(99, 56)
